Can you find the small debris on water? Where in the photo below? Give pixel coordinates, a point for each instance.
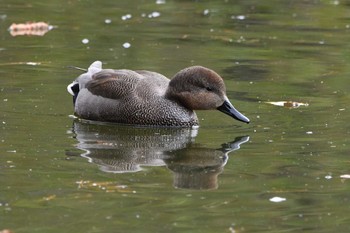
(126, 45)
(160, 2)
(33, 63)
(288, 104)
(278, 199)
(239, 17)
(85, 41)
(106, 186)
(232, 229)
(345, 176)
(73, 116)
(154, 14)
(206, 12)
(6, 231)
(49, 198)
(126, 17)
(30, 29)
(328, 177)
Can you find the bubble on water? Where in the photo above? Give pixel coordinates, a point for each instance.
(108, 21)
(309, 132)
(328, 177)
(206, 12)
(160, 2)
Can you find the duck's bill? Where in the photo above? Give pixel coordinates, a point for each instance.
(228, 109)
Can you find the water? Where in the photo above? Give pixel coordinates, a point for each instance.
(284, 172)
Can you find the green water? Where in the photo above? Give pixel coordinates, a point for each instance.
(58, 174)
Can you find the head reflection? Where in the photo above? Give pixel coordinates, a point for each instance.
(122, 149)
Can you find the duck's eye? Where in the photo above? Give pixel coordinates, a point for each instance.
(209, 89)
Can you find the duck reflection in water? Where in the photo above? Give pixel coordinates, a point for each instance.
(122, 149)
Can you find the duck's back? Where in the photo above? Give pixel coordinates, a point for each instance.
(131, 97)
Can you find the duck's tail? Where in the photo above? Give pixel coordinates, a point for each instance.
(80, 82)
(73, 89)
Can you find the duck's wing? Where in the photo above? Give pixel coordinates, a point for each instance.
(151, 74)
(156, 83)
(114, 84)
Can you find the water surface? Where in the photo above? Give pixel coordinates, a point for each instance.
(287, 171)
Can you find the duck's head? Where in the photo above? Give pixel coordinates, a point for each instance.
(199, 88)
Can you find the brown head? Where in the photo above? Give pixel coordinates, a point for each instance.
(199, 88)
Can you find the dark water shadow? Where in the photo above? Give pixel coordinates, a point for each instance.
(122, 149)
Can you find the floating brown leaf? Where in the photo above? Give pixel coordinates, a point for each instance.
(30, 28)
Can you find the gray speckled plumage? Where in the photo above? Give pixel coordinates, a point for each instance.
(147, 98)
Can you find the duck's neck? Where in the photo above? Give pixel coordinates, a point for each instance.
(173, 91)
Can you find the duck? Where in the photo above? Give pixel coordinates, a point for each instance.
(148, 98)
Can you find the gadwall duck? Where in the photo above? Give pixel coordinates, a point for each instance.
(148, 98)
